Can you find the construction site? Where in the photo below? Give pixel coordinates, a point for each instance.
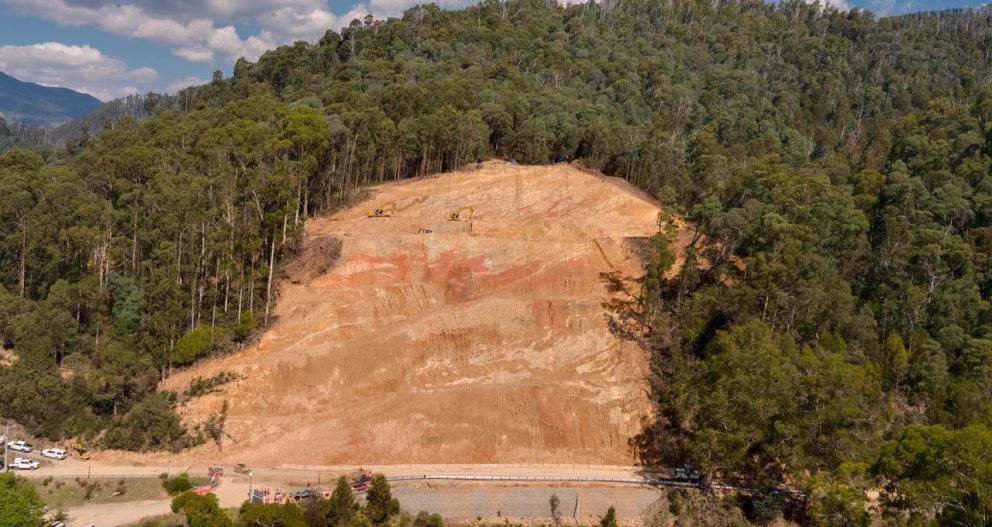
(450, 333)
(451, 319)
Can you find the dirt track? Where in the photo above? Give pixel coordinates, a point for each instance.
(435, 341)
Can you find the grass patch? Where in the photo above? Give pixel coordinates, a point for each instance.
(165, 520)
(63, 493)
(203, 386)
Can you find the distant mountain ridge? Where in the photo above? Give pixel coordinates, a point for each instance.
(30, 103)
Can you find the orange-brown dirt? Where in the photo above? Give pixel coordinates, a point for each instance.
(436, 341)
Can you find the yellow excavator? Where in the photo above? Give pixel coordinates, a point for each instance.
(462, 214)
(81, 451)
(386, 210)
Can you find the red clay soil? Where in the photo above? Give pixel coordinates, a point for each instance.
(437, 341)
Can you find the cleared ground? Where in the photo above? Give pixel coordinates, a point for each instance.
(434, 341)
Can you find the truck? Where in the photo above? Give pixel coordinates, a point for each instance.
(21, 463)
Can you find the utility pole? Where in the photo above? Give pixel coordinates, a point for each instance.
(6, 440)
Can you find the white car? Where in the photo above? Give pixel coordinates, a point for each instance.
(3, 439)
(24, 464)
(53, 453)
(20, 446)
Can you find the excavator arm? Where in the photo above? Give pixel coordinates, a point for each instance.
(385, 210)
(462, 214)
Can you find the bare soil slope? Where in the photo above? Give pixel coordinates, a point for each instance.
(437, 341)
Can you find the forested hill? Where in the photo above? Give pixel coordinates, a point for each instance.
(30, 103)
(844, 159)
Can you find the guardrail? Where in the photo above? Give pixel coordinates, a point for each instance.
(30, 474)
(654, 482)
(629, 468)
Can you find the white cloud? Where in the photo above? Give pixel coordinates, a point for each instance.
(391, 7)
(190, 39)
(190, 29)
(890, 7)
(388, 8)
(180, 84)
(234, 10)
(839, 4)
(201, 30)
(288, 24)
(81, 68)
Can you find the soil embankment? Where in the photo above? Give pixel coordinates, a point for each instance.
(413, 338)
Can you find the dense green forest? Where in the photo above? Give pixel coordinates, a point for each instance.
(16, 134)
(844, 159)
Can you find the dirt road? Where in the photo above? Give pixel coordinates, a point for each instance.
(584, 504)
(230, 493)
(112, 514)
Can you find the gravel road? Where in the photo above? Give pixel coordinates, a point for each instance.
(586, 504)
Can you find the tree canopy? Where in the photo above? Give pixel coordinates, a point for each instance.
(19, 503)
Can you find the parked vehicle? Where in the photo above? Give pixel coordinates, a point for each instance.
(20, 446)
(3, 439)
(21, 463)
(362, 482)
(53, 453)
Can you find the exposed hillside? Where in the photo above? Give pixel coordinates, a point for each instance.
(31, 103)
(449, 341)
(845, 160)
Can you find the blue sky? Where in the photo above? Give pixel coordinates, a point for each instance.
(110, 48)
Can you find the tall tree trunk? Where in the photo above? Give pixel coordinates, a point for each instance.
(227, 287)
(241, 286)
(299, 201)
(24, 249)
(268, 291)
(251, 285)
(306, 203)
(134, 242)
(285, 220)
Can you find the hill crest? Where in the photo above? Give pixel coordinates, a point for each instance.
(31, 103)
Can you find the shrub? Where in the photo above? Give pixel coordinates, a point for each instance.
(426, 519)
(152, 424)
(192, 346)
(178, 484)
(204, 386)
(244, 327)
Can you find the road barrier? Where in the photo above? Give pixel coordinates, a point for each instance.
(654, 482)
(628, 468)
(33, 475)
